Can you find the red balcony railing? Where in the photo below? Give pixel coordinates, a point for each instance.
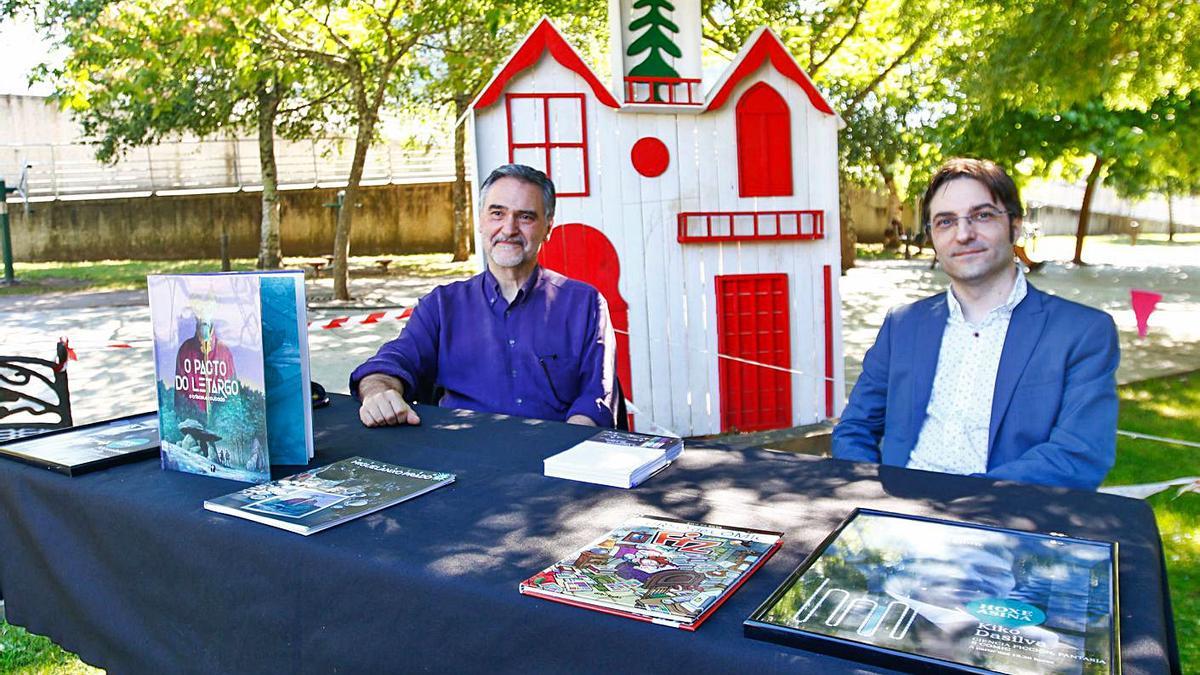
(704, 226)
(663, 90)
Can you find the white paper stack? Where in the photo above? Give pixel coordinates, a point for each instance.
(615, 458)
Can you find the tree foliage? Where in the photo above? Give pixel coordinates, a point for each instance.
(366, 44)
(139, 72)
(452, 67)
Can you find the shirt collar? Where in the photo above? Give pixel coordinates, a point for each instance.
(1015, 296)
(491, 285)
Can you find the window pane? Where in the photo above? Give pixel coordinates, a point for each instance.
(567, 166)
(535, 157)
(566, 120)
(527, 120)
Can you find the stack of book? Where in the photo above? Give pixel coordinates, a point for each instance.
(615, 458)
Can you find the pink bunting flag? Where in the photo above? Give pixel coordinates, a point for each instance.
(1144, 303)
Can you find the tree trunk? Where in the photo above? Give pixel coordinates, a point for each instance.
(848, 235)
(225, 263)
(1170, 217)
(270, 255)
(341, 237)
(893, 206)
(462, 224)
(1085, 210)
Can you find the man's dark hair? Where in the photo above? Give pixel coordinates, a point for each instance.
(525, 174)
(998, 183)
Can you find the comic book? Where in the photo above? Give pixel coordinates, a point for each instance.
(666, 571)
(320, 498)
(231, 364)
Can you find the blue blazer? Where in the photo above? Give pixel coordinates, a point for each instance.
(1054, 410)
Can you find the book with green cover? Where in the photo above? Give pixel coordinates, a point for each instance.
(320, 498)
(231, 363)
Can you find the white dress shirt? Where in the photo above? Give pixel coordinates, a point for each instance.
(954, 438)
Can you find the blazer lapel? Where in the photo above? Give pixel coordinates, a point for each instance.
(930, 329)
(1024, 332)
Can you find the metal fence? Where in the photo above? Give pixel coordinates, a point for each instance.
(72, 171)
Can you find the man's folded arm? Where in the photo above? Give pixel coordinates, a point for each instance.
(412, 356)
(857, 435)
(597, 399)
(1082, 444)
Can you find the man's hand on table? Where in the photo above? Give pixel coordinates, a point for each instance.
(383, 402)
(582, 420)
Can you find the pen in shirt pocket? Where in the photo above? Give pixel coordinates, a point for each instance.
(546, 370)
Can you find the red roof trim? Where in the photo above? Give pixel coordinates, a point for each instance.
(768, 46)
(544, 38)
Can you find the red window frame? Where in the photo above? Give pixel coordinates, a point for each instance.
(764, 143)
(546, 143)
(753, 328)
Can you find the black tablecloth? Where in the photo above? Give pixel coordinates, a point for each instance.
(126, 568)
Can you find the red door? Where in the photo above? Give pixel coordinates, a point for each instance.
(752, 336)
(582, 252)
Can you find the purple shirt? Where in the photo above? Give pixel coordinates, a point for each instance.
(547, 355)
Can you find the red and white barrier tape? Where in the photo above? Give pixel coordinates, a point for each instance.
(367, 319)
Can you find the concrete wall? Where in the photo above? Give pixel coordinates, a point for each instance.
(868, 209)
(1058, 220)
(26, 120)
(416, 218)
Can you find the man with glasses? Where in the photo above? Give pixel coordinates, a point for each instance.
(993, 377)
(516, 339)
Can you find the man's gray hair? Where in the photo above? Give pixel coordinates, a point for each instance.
(525, 174)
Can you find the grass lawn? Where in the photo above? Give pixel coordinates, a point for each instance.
(1167, 407)
(21, 652)
(117, 275)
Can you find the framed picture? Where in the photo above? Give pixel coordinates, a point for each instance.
(909, 592)
(89, 447)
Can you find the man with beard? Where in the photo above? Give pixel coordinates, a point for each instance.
(517, 339)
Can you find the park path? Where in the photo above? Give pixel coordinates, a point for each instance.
(106, 381)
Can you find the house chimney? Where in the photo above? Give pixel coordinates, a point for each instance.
(656, 52)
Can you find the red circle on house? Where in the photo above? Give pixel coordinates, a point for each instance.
(650, 157)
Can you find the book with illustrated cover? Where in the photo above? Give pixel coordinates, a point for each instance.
(615, 458)
(913, 593)
(231, 364)
(320, 498)
(666, 571)
(77, 450)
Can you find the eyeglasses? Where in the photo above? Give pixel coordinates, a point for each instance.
(981, 218)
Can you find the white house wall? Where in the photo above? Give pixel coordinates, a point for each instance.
(670, 287)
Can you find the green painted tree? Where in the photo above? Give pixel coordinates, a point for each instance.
(653, 40)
